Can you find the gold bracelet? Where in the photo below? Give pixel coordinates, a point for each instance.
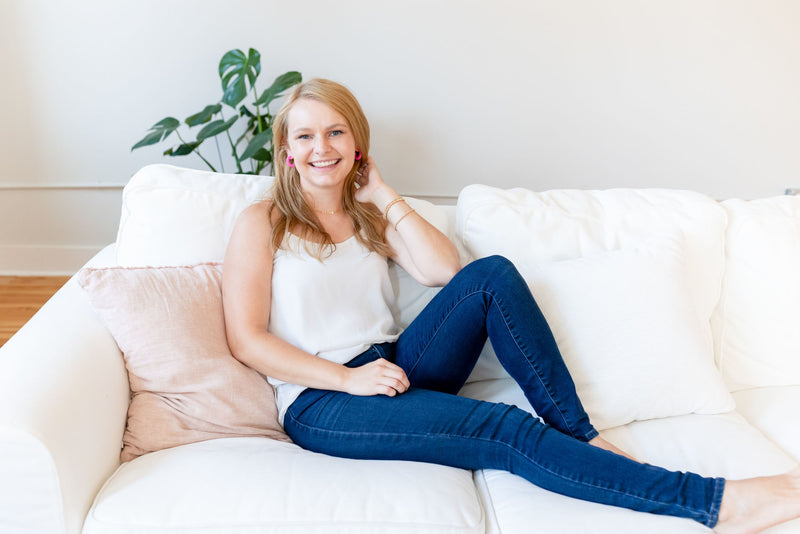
(389, 205)
(406, 214)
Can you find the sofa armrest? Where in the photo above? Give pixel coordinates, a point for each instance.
(63, 403)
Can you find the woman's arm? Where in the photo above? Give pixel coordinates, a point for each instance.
(246, 297)
(419, 248)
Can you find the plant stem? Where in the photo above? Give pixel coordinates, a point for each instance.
(219, 154)
(235, 155)
(233, 146)
(258, 125)
(258, 110)
(210, 166)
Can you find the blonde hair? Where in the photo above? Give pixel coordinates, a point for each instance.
(287, 194)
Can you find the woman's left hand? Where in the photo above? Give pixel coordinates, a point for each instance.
(422, 250)
(371, 187)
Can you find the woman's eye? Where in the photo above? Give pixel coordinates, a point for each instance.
(335, 133)
(304, 136)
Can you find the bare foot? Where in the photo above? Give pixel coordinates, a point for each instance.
(749, 506)
(607, 445)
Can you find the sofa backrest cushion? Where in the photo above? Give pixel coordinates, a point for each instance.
(627, 279)
(176, 216)
(757, 323)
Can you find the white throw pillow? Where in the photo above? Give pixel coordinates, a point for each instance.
(757, 323)
(648, 356)
(630, 334)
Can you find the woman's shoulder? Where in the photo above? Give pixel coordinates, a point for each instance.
(260, 213)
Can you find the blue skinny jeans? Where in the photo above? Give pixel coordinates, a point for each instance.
(431, 423)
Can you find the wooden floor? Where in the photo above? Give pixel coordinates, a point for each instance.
(21, 297)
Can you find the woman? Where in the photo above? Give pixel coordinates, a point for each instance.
(308, 303)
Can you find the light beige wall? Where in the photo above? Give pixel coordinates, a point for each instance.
(698, 94)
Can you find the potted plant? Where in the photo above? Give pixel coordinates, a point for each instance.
(252, 150)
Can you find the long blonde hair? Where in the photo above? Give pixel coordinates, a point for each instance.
(287, 194)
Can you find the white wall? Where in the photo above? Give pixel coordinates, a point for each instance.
(698, 94)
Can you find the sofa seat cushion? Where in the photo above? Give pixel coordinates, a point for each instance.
(712, 445)
(687, 442)
(773, 410)
(252, 484)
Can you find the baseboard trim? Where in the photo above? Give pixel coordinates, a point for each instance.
(56, 187)
(44, 260)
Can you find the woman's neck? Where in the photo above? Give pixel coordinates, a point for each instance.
(325, 203)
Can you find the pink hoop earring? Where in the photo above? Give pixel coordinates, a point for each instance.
(358, 155)
(290, 161)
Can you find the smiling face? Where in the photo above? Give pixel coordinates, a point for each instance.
(321, 143)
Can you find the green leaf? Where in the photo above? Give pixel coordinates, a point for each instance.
(256, 143)
(215, 128)
(149, 139)
(281, 83)
(262, 154)
(158, 132)
(235, 70)
(183, 150)
(203, 116)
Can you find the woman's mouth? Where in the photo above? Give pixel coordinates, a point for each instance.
(324, 164)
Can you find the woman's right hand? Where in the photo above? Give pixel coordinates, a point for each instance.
(379, 377)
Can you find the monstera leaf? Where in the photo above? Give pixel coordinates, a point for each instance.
(238, 73)
(183, 149)
(256, 143)
(203, 116)
(158, 132)
(281, 83)
(235, 70)
(215, 128)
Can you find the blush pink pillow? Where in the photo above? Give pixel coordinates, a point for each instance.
(185, 384)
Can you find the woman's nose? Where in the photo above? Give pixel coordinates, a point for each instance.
(321, 143)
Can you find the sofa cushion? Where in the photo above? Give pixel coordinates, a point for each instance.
(625, 325)
(712, 445)
(620, 288)
(177, 216)
(246, 485)
(564, 224)
(185, 384)
(756, 324)
(773, 410)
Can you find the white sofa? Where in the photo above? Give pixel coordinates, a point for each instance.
(677, 314)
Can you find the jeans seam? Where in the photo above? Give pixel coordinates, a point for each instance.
(435, 330)
(709, 516)
(716, 504)
(495, 298)
(532, 365)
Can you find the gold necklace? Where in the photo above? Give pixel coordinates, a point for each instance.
(334, 212)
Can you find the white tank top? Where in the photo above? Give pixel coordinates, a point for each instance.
(335, 309)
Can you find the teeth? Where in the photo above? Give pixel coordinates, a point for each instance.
(325, 163)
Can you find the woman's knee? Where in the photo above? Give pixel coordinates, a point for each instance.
(492, 265)
(497, 269)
